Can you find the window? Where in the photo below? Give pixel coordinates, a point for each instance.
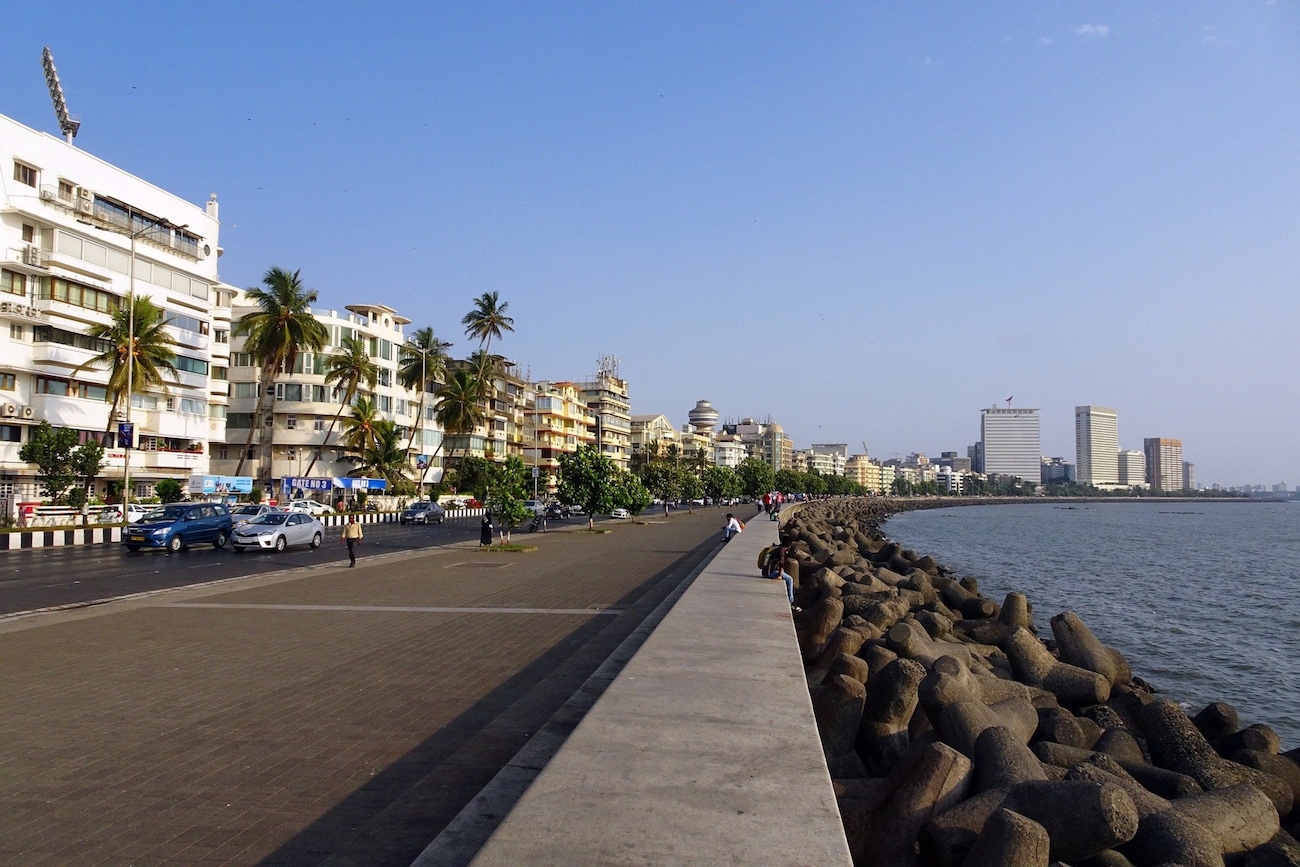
(222, 336)
(239, 420)
(11, 433)
(318, 425)
(291, 422)
(144, 401)
(24, 174)
(386, 350)
(15, 331)
(385, 403)
(385, 377)
(321, 394)
(243, 389)
(216, 410)
(47, 385)
(8, 382)
(221, 373)
(58, 289)
(29, 234)
(67, 190)
(49, 334)
(193, 407)
(186, 323)
(13, 283)
(288, 391)
(221, 453)
(191, 365)
(241, 359)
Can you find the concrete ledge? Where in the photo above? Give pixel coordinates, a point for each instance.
(702, 751)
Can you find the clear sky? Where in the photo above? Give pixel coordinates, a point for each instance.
(867, 220)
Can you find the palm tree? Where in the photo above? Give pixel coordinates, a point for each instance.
(384, 457)
(422, 363)
(346, 370)
(488, 319)
(274, 335)
(151, 359)
(458, 408)
(359, 427)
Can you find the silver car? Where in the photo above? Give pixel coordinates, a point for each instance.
(278, 530)
(247, 512)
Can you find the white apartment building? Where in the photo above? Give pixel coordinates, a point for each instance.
(729, 451)
(607, 398)
(1011, 444)
(72, 227)
(1132, 468)
(304, 406)
(1096, 445)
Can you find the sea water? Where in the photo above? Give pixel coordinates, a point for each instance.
(1203, 598)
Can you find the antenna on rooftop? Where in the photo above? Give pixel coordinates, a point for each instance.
(68, 124)
(1009, 402)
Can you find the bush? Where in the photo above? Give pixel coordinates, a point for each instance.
(169, 491)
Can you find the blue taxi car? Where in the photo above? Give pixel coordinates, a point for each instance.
(178, 525)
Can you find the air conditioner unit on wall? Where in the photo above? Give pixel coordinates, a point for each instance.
(10, 410)
(33, 255)
(86, 206)
(29, 412)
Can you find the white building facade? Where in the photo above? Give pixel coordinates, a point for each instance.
(1096, 445)
(1011, 443)
(77, 236)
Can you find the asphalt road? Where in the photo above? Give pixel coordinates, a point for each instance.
(41, 578)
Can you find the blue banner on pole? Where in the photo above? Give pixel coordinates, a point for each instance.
(306, 484)
(126, 435)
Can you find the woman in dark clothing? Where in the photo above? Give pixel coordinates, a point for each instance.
(485, 534)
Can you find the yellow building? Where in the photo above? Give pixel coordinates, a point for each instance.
(559, 422)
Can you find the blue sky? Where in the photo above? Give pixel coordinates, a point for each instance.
(866, 220)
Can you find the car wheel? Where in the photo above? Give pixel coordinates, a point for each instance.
(175, 543)
(316, 540)
(440, 520)
(220, 541)
(134, 549)
(281, 543)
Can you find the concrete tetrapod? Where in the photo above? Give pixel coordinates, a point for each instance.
(932, 779)
(890, 701)
(1082, 818)
(1072, 686)
(1076, 645)
(1177, 745)
(838, 710)
(1002, 760)
(1009, 838)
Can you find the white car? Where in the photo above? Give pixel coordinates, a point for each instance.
(278, 530)
(311, 507)
(113, 514)
(620, 513)
(248, 511)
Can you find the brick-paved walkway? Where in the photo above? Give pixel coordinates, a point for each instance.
(333, 717)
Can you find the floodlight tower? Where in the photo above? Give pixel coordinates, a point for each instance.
(68, 124)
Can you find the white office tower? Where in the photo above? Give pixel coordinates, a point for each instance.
(1096, 445)
(1011, 443)
(1132, 468)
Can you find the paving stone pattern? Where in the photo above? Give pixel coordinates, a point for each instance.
(151, 732)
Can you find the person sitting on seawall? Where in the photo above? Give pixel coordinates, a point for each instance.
(733, 527)
(776, 569)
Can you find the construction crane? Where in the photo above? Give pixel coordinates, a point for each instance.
(68, 124)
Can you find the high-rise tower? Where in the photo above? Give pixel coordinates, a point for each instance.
(1096, 445)
(1011, 442)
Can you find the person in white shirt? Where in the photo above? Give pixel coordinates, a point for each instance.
(733, 527)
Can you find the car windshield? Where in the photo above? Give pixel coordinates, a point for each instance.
(272, 518)
(419, 507)
(166, 513)
(247, 510)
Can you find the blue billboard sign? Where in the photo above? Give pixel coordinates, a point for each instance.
(221, 485)
(306, 484)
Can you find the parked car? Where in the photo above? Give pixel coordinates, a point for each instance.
(620, 513)
(249, 511)
(310, 507)
(278, 530)
(557, 512)
(178, 525)
(537, 507)
(422, 512)
(113, 514)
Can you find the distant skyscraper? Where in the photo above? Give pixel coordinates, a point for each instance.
(976, 455)
(1189, 476)
(1096, 445)
(1164, 463)
(1132, 468)
(1011, 443)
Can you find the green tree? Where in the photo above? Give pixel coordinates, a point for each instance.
(720, 482)
(756, 477)
(151, 359)
(474, 476)
(488, 319)
(813, 483)
(422, 364)
(169, 491)
(458, 406)
(347, 370)
(87, 461)
(51, 448)
(587, 480)
(789, 482)
(361, 426)
(663, 481)
(690, 485)
(509, 511)
(383, 457)
(629, 493)
(274, 335)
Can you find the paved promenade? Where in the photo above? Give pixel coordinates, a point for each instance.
(329, 716)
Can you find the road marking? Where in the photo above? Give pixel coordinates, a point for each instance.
(393, 608)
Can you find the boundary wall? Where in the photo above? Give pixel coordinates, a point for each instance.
(703, 750)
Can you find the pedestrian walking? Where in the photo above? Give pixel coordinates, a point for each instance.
(485, 533)
(352, 537)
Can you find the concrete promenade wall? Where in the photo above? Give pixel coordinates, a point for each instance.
(702, 751)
